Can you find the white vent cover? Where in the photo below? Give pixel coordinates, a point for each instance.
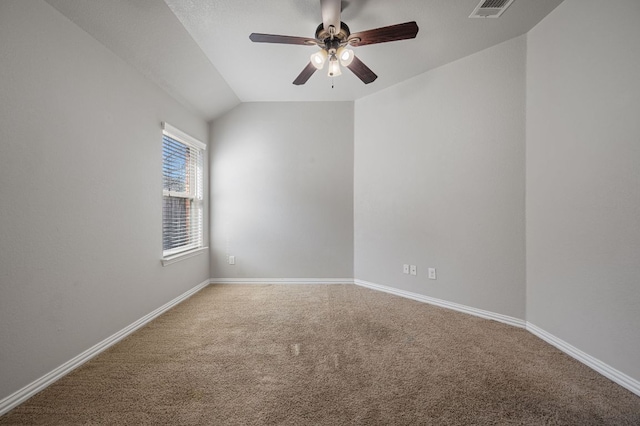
(490, 8)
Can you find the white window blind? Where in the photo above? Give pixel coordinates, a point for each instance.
(182, 191)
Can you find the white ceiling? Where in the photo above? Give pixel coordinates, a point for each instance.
(200, 52)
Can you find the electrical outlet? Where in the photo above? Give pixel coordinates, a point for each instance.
(232, 260)
(432, 273)
(414, 270)
(405, 269)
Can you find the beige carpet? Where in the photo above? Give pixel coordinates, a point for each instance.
(327, 355)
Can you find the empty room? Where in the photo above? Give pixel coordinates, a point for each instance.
(320, 212)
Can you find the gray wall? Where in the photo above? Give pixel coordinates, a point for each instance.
(583, 178)
(439, 182)
(282, 191)
(80, 193)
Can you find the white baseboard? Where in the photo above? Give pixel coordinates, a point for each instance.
(36, 386)
(516, 322)
(606, 370)
(281, 281)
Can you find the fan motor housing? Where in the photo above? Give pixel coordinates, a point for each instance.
(323, 36)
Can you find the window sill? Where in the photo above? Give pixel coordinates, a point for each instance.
(166, 261)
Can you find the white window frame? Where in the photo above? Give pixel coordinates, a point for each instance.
(185, 251)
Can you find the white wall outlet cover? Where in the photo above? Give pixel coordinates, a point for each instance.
(432, 273)
(414, 270)
(232, 260)
(405, 268)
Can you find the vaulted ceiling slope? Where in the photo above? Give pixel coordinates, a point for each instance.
(199, 50)
(148, 36)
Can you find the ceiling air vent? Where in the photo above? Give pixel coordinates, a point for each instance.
(490, 8)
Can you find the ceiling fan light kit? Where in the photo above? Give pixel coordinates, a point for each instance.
(333, 43)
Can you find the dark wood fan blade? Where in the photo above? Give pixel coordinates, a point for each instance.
(331, 13)
(385, 34)
(362, 71)
(305, 74)
(273, 38)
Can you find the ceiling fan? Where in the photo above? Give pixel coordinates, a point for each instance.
(333, 37)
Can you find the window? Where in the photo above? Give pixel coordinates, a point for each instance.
(182, 192)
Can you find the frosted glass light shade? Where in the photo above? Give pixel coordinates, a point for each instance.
(334, 67)
(345, 56)
(319, 58)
